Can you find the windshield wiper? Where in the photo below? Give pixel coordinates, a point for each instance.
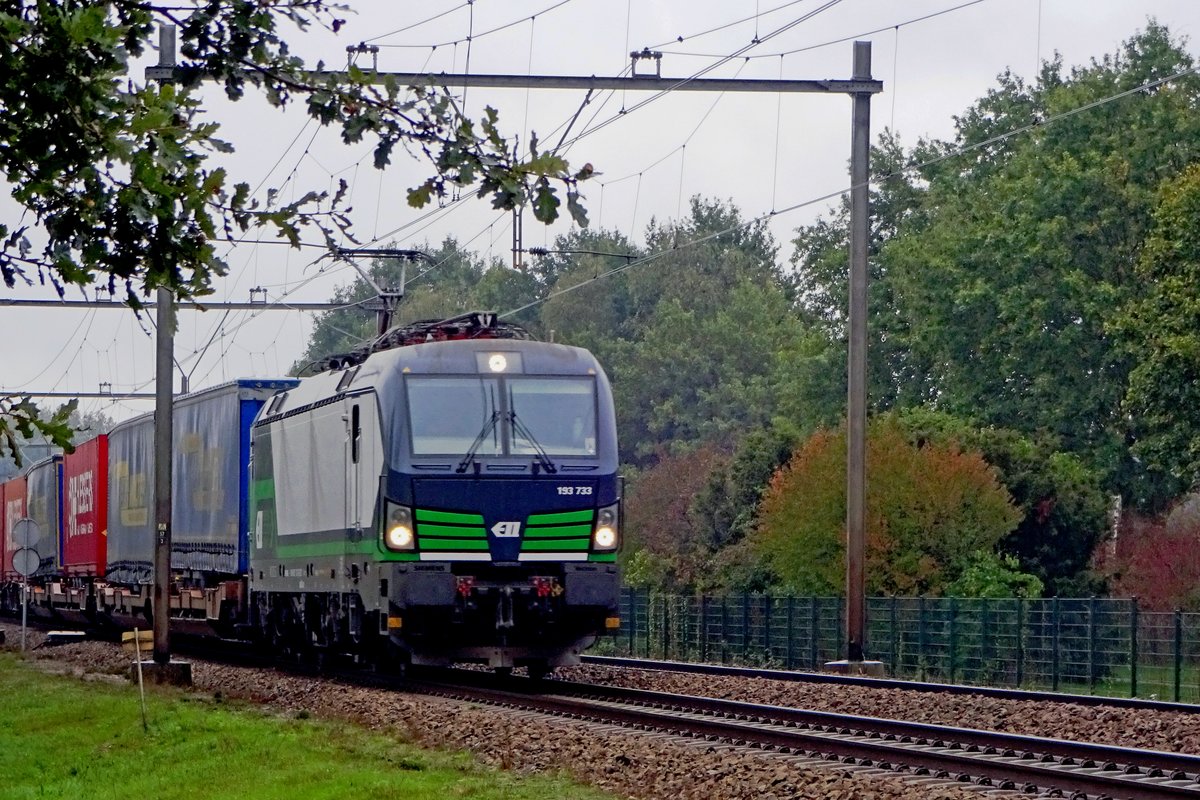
(520, 428)
(489, 426)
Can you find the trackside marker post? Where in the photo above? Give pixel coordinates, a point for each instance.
(137, 650)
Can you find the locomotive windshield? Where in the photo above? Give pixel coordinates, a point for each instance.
(513, 415)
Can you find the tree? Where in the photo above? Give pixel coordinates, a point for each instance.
(727, 507)
(821, 260)
(1064, 510)
(115, 172)
(930, 508)
(1011, 276)
(702, 374)
(988, 574)
(721, 251)
(1161, 330)
(1156, 559)
(999, 263)
(664, 544)
(582, 307)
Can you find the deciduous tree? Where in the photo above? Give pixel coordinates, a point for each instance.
(929, 509)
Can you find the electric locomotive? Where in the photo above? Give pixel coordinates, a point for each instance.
(452, 495)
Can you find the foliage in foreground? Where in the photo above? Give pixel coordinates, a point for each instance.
(115, 172)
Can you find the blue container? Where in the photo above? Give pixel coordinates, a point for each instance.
(210, 480)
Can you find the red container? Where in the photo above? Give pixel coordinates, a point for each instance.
(12, 494)
(85, 509)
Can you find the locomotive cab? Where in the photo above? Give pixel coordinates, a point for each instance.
(504, 500)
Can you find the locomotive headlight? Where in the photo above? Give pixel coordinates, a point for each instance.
(606, 535)
(398, 528)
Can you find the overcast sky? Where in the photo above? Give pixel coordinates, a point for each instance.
(762, 151)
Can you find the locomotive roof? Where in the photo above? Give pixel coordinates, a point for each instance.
(440, 358)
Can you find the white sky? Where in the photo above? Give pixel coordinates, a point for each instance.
(762, 151)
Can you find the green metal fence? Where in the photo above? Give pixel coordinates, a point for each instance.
(1091, 646)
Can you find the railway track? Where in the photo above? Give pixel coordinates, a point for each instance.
(791, 676)
(984, 758)
(916, 751)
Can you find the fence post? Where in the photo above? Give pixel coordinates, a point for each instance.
(666, 627)
(647, 652)
(633, 623)
(703, 628)
(895, 631)
(725, 629)
(1133, 646)
(814, 619)
(922, 641)
(766, 607)
(1056, 622)
(953, 624)
(745, 626)
(1020, 641)
(791, 631)
(1091, 629)
(1178, 652)
(838, 618)
(985, 641)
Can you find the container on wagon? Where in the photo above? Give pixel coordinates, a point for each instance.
(12, 508)
(85, 510)
(209, 510)
(44, 506)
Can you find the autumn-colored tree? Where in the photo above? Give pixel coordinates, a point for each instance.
(664, 542)
(1155, 560)
(929, 509)
(1064, 510)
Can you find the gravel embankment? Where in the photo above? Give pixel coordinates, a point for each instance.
(1155, 730)
(649, 767)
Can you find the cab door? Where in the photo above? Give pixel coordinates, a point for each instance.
(364, 460)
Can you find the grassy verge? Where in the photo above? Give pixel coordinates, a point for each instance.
(62, 737)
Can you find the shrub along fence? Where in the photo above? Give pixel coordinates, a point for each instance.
(1095, 645)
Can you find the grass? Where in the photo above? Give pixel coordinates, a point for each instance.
(62, 737)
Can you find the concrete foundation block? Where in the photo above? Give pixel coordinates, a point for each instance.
(866, 669)
(173, 673)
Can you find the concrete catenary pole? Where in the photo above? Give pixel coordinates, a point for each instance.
(163, 425)
(856, 411)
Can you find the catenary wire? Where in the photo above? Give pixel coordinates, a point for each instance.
(705, 70)
(413, 25)
(488, 32)
(955, 153)
(840, 40)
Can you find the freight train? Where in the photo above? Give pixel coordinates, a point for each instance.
(449, 494)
